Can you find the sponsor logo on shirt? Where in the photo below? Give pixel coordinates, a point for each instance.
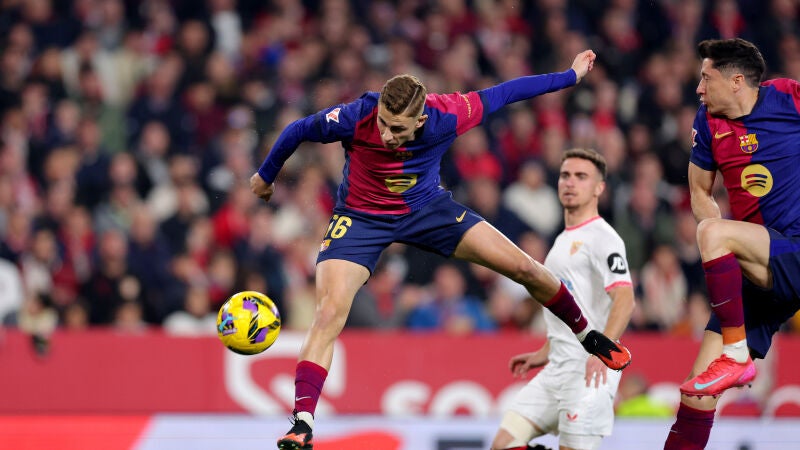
(576, 245)
(616, 263)
(401, 183)
(757, 180)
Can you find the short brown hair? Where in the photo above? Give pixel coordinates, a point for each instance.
(734, 54)
(590, 155)
(404, 94)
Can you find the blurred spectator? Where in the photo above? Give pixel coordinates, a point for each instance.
(40, 262)
(483, 195)
(128, 317)
(375, 306)
(448, 308)
(694, 318)
(36, 317)
(258, 252)
(158, 102)
(633, 399)
(103, 289)
(644, 223)
(75, 316)
(473, 159)
(93, 172)
(664, 289)
(149, 260)
(17, 236)
(197, 318)
(12, 293)
(687, 250)
(533, 200)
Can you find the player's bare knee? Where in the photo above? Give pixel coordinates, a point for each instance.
(328, 316)
(515, 431)
(527, 272)
(710, 234)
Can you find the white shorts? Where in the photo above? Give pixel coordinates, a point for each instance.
(558, 401)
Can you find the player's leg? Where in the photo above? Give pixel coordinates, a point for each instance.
(337, 282)
(695, 416)
(485, 245)
(532, 413)
(515, 432)
(730, 249)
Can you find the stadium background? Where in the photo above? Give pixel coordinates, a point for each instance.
(128, 130)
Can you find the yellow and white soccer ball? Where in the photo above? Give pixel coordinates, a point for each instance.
(248, 322)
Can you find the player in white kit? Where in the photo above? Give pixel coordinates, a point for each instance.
(573, 396)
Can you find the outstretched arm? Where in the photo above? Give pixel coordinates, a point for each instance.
(523, 88)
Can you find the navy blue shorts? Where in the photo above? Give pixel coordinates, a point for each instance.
(360, 237)
(766, 310)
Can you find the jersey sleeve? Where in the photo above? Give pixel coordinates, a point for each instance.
(523, 88)
(611, 261)
(336, 123)
(701, 142)
(467, 108)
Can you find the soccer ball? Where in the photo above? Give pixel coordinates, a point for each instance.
(248, 322)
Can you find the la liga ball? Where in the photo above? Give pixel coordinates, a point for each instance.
(248, 322)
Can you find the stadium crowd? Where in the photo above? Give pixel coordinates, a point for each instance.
(129, 129)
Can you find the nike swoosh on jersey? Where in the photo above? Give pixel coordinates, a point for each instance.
(714, 305)
(719, 135)
(461, 217)
(712, 382)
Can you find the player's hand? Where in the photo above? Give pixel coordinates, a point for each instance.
(521, 364)
(595, 370)
(260, 187)
(583, 63)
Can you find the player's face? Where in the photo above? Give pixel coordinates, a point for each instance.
(396, 130)
(715, 89)
(579, 183)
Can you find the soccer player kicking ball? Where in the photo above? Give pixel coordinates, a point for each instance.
(749, 131)
(394, 142)
(573, 396)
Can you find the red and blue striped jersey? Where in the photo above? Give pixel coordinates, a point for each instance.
(377, 180)
(758, 156)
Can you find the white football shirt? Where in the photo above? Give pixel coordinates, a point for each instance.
(590, 259)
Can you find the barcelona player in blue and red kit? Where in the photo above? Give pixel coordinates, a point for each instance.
(394, 142)
(749, 131)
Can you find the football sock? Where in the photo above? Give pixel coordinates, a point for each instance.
(564, 307)
(690, 430)
(724, 281)
(308, 381)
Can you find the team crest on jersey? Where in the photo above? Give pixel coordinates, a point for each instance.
(324, 245)
(616, 263)
(694, 137)
(333, 115)
(757, 180)
(748, 143)
(401, 183)
(403, 155)
(576, 245)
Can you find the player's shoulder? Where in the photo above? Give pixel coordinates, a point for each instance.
(603, 233)
(782, 84)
